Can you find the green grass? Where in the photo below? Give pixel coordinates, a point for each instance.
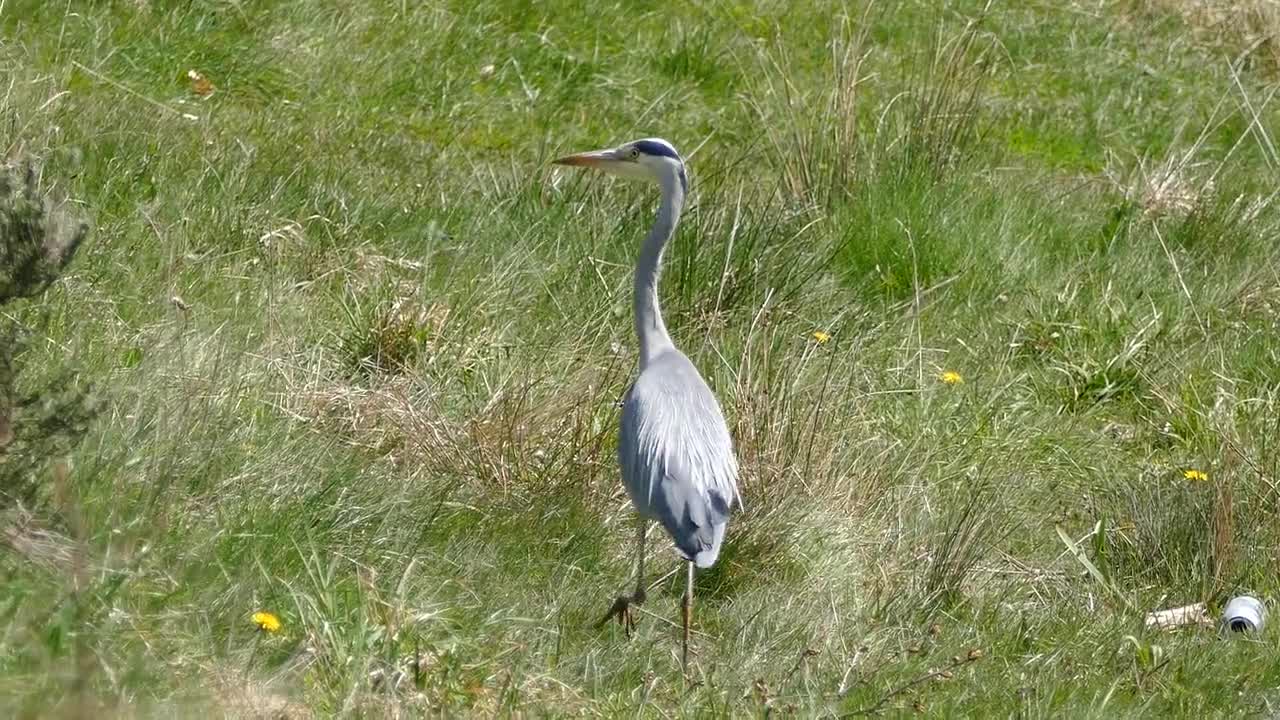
(382, 405)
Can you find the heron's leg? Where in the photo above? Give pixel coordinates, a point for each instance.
(638, 597)
(628, 617)
(687, 605)
(621, 608)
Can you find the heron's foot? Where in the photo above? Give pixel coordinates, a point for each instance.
(621, 609)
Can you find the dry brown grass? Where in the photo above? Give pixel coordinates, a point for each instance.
(237, 696)
(523, 434)
(1247, 30)
(45, 548)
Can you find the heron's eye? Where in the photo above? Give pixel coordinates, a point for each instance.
(633, 153)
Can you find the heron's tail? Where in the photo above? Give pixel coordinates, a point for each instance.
(706, 556)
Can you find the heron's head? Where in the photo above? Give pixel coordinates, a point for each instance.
(652, 159)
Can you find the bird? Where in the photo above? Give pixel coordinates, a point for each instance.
(675, 451)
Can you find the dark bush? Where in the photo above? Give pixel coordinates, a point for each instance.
(38, 421)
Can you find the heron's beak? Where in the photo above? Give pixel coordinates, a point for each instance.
(593, 159)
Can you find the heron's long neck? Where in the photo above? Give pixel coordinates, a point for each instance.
(650, 329)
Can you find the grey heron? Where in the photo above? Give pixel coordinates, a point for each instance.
(674, 447)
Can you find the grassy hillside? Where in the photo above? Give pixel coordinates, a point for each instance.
(355, 350)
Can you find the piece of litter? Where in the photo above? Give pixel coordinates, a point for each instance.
(1244, 614)
(1174, 618)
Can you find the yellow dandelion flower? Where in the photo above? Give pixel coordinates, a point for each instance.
(267, 621)
(951, 377)
(1195, 475)
(821, 336)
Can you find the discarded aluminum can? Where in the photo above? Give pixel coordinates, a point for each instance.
(1244, 614)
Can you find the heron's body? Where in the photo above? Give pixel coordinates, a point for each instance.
(676, 456)
(674, 447)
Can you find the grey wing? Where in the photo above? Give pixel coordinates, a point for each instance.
(677, 456)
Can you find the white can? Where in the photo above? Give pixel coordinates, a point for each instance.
(1244, 614)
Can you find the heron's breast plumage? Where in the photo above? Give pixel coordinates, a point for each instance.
(677, 455)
